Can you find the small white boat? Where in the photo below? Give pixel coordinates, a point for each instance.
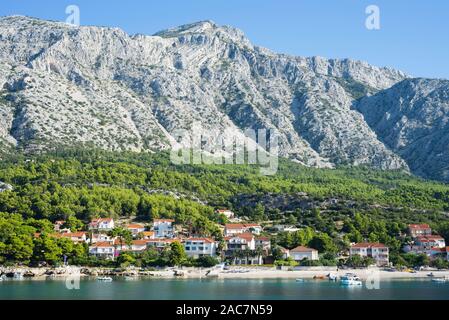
(299, 280)
(350, 280)
(104, 279)
(332, 277)
(441, 280)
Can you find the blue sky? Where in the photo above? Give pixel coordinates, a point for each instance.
(414, 35)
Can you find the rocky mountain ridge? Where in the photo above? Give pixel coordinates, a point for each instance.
(92, 86)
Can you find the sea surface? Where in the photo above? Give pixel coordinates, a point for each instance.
(217, 289)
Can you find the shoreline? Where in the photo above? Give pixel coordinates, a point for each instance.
(211, 273)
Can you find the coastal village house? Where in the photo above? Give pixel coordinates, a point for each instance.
(300, 253)
(159, 244)
(227, 213)
(163, 228)
(148, 235)
(416, 230)
(135, 228)
(100, 237)
(58, 225)
(102, 250)
(238, 228)
(102, 224)
(424, 242)
(378, 251)
(430, 241)
(199, 247)
(239, 243)
(78, 237)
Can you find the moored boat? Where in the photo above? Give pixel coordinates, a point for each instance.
(104, 279)
(350, 280)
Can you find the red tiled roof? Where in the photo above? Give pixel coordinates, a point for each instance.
(140, 242)
(208, 240)
(369, 245)
(429, 238)
(98, 220)
(73, 234)
(103, 244)
(163, 220)
(302, 249)
(246, 236)
(240, 225)
(135, 226)
(419, 226)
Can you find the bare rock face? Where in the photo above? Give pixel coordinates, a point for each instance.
(412, 118)
(65, 85)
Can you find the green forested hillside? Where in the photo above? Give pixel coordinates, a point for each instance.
(79, 185)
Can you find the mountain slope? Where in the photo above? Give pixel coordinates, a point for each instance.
(102, 87)
(412, 118)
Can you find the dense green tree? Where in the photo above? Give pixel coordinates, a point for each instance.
(177, 254)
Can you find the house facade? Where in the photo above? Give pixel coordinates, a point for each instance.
(303, 253)
(227, 213)
(430, 241)
(163, 228)
(416, 230)
(378, 251)
(239, 228)
(241, 249)
(78, 237)
(135, 228)
(102, 250)
(199, 247)
(102, 224)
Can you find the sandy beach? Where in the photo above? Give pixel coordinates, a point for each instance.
(234, 272)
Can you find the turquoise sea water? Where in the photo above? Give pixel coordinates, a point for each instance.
(216, 289)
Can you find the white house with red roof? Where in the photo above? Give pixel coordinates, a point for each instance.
(240, 244)
(240, 241)
(163, 228)
(300, 253)
(58, 225)
(102, 224)
(378, 251)
(416, 230)
(138, 245)
(160, 243)
(135, 228)
(100, 237)
(238, 228)
(103, 250)
(263, 242)
(227, 213)
(199, 247)
(78, 237)
(430, 241)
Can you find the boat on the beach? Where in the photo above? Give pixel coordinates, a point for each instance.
(332, 277)
(104, 279)
(319, 277)
(350, 280)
